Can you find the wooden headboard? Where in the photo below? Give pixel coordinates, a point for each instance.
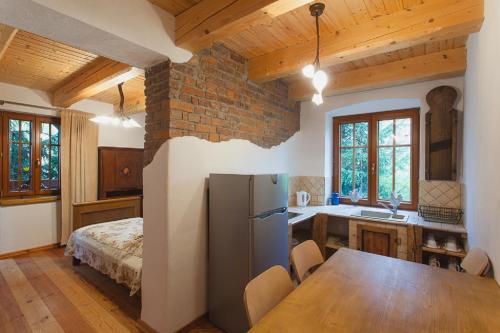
(94, 212)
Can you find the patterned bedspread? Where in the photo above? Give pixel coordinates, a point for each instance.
(114, 248)
(125, 235)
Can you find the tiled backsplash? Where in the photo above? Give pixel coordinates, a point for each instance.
(440, 193)
(315, 186)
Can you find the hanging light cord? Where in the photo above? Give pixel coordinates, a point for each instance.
(122, 100)
(316, 61)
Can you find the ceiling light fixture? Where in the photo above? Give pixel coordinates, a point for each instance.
(120, 119)
(313, 71)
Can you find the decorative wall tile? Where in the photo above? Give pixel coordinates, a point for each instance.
(315, 186)
(440, 193)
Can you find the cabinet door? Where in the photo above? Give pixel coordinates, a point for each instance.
(377, 240)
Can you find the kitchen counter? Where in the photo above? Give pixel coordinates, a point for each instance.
(352, 212)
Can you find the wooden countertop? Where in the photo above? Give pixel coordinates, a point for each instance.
(361, 292)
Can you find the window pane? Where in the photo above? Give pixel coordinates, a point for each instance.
(44, 162)
(54, 134)
(14, 162)
(14, 130)
(385, 172)
(45, 135)
(385, 132)
(346, 159)
(346, 135)
(403, 131)
(403, 172)
(361, 130)
(361, 172)
(26, 131)
(26, 162)
(54, 163)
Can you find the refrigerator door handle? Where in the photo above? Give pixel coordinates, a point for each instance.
(272, 213)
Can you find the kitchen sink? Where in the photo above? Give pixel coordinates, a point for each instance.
(382, 215)
(292, 215)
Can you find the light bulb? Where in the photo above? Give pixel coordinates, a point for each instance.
(319, 80)
(317, 99)
(308, 71)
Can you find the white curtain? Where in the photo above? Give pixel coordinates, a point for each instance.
(78, 165)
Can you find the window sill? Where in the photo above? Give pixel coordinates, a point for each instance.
(5, 202)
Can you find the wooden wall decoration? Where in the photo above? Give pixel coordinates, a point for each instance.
(441, 123)
(120, 172)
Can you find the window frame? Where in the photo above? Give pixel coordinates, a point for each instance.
(36, 120)
(373, 119)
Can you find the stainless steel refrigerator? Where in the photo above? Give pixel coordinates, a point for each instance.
(248, 233)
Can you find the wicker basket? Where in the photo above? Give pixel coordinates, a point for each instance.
(440, 214)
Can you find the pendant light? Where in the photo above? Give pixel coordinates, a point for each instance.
(313, 71)
(120, 119)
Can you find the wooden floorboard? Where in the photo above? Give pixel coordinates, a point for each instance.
(43, 292)
(59, 305)
(11, 317)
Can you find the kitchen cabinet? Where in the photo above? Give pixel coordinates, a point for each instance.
(388, 239)
(377, 240)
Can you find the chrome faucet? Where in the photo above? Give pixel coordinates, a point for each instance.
(393, 210)
(395, 201)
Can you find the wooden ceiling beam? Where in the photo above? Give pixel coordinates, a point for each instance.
(7, 34)
(432, 21)
(99, 75)
(212, 20)
(432, 66)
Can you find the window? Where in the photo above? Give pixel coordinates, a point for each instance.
(30, 155)
(377, 154)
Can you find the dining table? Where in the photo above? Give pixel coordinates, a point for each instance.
(356, 291)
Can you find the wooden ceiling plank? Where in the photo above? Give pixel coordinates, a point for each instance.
(436, 20)
(98, 76)
(393, 5)
(7, 35)
(432, 66)
(358, 10)
(376, 8)
(211, 20)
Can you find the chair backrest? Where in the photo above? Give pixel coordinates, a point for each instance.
(305, 256)
(476, 262)
(265, 291)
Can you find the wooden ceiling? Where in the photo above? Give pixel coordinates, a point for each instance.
(419, 39)
(42, 64)
(365, 44)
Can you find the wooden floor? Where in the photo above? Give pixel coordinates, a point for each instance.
(43, 292)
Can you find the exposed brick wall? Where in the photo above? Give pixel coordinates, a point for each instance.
(157, 109)
(211, 98)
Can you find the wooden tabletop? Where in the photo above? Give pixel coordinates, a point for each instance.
(361, 292)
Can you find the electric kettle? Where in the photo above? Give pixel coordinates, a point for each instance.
(303, 198)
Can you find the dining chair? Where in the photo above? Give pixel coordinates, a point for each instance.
(476, 262)
(305, 256)
(265, 291)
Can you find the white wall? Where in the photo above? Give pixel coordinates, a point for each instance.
(175, 234)
(481, 144)
(315, 152)
(29, 226)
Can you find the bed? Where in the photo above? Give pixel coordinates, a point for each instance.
(108, 236)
